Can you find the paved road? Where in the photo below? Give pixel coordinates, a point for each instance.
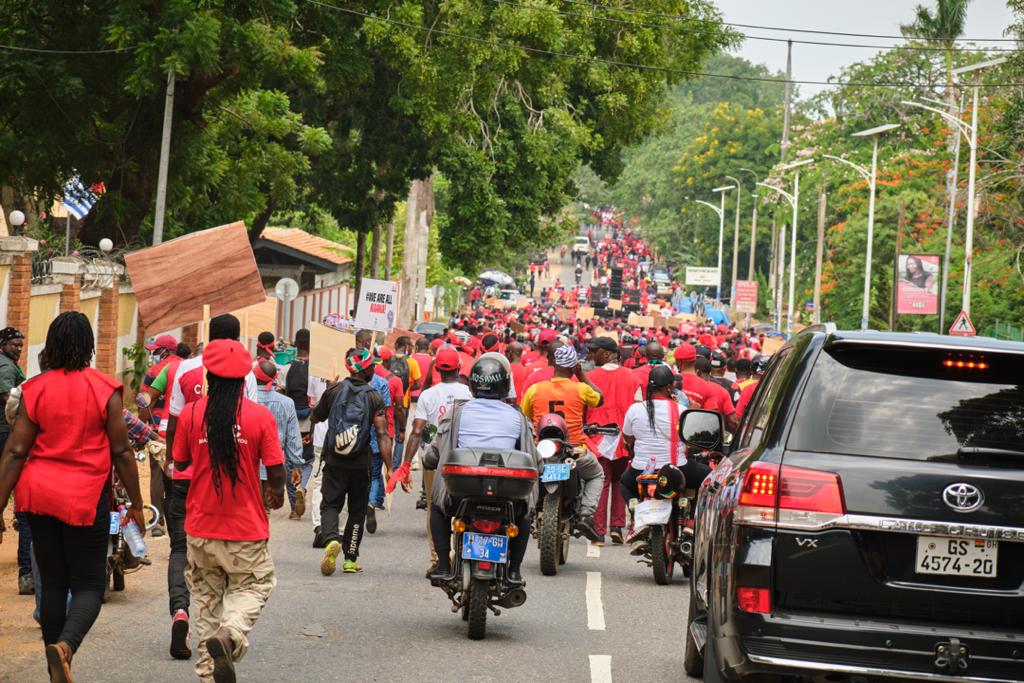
(602, 613)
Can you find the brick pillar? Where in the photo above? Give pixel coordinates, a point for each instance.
(106, 340)
(19, 293)
(71, 297)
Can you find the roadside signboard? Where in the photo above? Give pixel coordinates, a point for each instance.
(702, 277)
(746, 296)
(917, 290)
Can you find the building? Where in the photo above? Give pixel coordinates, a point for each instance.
(312, 261)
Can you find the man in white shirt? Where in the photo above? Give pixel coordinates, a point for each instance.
(434, 403)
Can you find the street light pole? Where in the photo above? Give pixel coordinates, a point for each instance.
(949, 227)
(735, 243)
(721, 232)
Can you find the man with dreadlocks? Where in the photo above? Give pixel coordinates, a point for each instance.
(224, 438)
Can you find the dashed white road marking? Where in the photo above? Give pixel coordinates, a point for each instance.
(595, 610)
(600, 669)
(593, 550)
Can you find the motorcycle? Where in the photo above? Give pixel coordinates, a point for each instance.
(488, 485)
(120, 560)
(579, 275)
(560, 491)
(662, 517)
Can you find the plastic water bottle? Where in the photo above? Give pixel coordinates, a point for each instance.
(132, 535)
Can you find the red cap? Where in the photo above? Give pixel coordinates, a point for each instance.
(384, 353)
(547, 335)
(437, 343)
(447, 359)
(685, 353)
(164, 341)
(227, 358)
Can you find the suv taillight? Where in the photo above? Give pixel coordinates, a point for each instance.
(789, 497)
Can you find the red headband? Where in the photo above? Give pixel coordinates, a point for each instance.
(261, 376)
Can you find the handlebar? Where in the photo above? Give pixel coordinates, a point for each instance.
(604, 430)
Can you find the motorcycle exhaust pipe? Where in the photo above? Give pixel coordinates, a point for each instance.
(514, 598)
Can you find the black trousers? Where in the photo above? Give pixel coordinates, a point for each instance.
(441, 532)
(175, 494)
(338, 486)
(694, 472)
(71, 558)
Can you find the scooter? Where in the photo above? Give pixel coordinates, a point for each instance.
(488, 485)
(120, 560)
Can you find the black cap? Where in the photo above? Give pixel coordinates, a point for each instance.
(703, 351)
(703, 364)
(744, 366)
(717, 359)
(603, 343)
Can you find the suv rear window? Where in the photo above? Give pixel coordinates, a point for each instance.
(912, 403)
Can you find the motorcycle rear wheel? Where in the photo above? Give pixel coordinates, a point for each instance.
(117, 580)
(662, 560)
(476, 609)
(551, 534)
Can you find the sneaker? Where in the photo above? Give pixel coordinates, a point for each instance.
(318, 539)
(616, 535)
(221, 650)
(421, 504)
(26, 586)
(330, 560)
(371, 520)
(179, 636)
(300, 502)
(350, 567)
(599, 544)
(158, 531)
(585, 527)
(293, 515)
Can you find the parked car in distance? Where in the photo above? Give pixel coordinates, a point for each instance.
(430, 328)
(662, 281)
(581, 245)
(868, 521)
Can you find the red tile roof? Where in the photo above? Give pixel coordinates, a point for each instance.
(314, 245)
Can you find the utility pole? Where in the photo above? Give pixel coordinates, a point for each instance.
(952, 185)
(389, 249)
(375, 253)
(735, 248)
(165, 154)
(787, 111)
(819, 257)
(780, 272)
(772, 273)
(900, 218)
(753, 239)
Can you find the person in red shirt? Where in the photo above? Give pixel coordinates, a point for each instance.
(514, 353)
(68, 433)
(223, 437)
(619, 386)
(696, 389)
(719, 399)
(544, 341)
(655, 354)
(423, 359)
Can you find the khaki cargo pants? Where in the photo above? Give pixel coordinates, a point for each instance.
(230, 582)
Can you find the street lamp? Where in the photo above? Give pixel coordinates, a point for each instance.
(735, 241)
(16, 219)
(721, 232)
(794, 201)
(753, 226)
(971, 135)
(871, 176)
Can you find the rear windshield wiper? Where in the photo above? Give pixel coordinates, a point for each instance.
(994, 452)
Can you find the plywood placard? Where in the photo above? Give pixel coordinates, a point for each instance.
(584, 313)
(172, 281)
(327, 349)
(389, 341)
(261, 317)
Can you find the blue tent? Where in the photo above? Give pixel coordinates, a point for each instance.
(717, 316)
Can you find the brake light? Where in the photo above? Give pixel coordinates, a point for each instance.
(483, 471)
(966, 363)
(754, 600)
(789, 497)
(484, 565)
(486, 526)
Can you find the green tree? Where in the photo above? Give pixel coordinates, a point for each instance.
(943, 27)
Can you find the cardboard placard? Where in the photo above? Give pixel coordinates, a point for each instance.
(640, 320)
(682, 318)
(327, 349)
(654, 308)
(517, 327)
(601, 332)
(389, 341)
(614, 304)
(585, 313)
(174, 280)
(258, 318)
(771, 345)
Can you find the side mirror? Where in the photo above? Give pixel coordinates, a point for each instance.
(702, 429)
(547, 449)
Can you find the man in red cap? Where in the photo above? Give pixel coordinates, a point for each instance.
(223, 439)
(693, 386)
(433, 404)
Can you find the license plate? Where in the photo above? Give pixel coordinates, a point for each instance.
(957, 556)
(485, 547)
(115, 523)
(555, 472)
(652, 511)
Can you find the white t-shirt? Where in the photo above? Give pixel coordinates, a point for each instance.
(653, 448)
(436, 401)
(315, 388)
(177, 402)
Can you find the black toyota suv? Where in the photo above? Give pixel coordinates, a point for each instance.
(868, 520)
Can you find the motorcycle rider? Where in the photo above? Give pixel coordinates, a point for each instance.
(485, 421)
(569, 393)
(650, 431)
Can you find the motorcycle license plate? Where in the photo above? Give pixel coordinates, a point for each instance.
(652, 511)
(485, 547)
(555, 472)
(957, 556)
(115, 523)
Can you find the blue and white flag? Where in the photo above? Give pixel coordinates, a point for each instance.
(78, 199)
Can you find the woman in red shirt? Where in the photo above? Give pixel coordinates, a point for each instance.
(68, 432)
(224, 437)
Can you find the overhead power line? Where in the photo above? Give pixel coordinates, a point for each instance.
(634, 65)
(746, 36)
(44, 51)
(628, 10)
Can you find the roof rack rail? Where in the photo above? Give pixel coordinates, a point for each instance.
(827, 328)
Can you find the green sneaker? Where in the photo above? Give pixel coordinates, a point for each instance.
(350, 567)
(330, 561)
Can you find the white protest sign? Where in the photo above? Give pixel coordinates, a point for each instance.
(378, 305)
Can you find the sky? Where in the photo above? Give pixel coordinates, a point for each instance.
(985, 19)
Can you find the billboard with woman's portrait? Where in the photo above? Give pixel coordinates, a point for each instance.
(918, 285)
